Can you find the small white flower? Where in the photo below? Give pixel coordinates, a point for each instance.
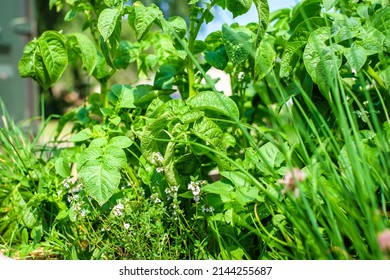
(83, 213)
(118, 209)
(126, 225)
(157, 158)
(207, 209)
(194, 187)
(154, 197)
(160, 170)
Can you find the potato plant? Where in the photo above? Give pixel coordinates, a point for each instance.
(301, 148)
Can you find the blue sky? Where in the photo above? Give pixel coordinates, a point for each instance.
(225, 16)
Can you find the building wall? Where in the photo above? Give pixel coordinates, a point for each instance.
(17, 27)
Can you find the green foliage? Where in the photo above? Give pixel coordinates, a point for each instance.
(300, 148)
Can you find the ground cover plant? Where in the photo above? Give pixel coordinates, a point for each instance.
(295, 164)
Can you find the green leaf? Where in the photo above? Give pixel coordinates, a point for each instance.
(100, 179)
(371, 39)
(107, 22)
(304, 10)
(246, 194)
(329, 4)
(263, 14)
(294, 47)
(114, 157)
(264, 60)
(127, 53)
(144, 18)
(165, 75)
(322, 61)
(82, 135)
(71, 15)
(216, 102)
(121, 142)
(209, 131)
(220, 187)
(152, 133)
(381, 21)
(238, 44)
(62, 167)
(111, 3)
(345, 29)
(44, 59)
(217, 58)
(86, 50)
(237, 178)
(54, 54)
(356, 57)
(31, 65)
(270, 156)
(90, 154)
(238, 7)
(178, 25)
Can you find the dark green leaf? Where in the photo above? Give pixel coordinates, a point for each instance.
(238, 7)
(217, 58)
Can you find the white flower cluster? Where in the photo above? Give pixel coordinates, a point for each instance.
(77, 205)
(172, 192)
(194, 187)
(118, 209)
(72, 184)
(207, 209)
(154, 197)
(157, 160)
(68, 182)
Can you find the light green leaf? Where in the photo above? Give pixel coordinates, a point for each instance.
(216, 102)
(345, 29)
(82, 135)
(144, 18)
(237, 178)
(209, 131)
(62, 167)
(114, 157)
(90, 154)
(246, 194)
(264, 60)
(178, 25)
(238, 44)
(381, 21)
(269, 156)
(121, 142)
(107, 21)
(371, 39)
(329, 4)
(219, 187)
(101, 181)
(356, 57)
(111, 3)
